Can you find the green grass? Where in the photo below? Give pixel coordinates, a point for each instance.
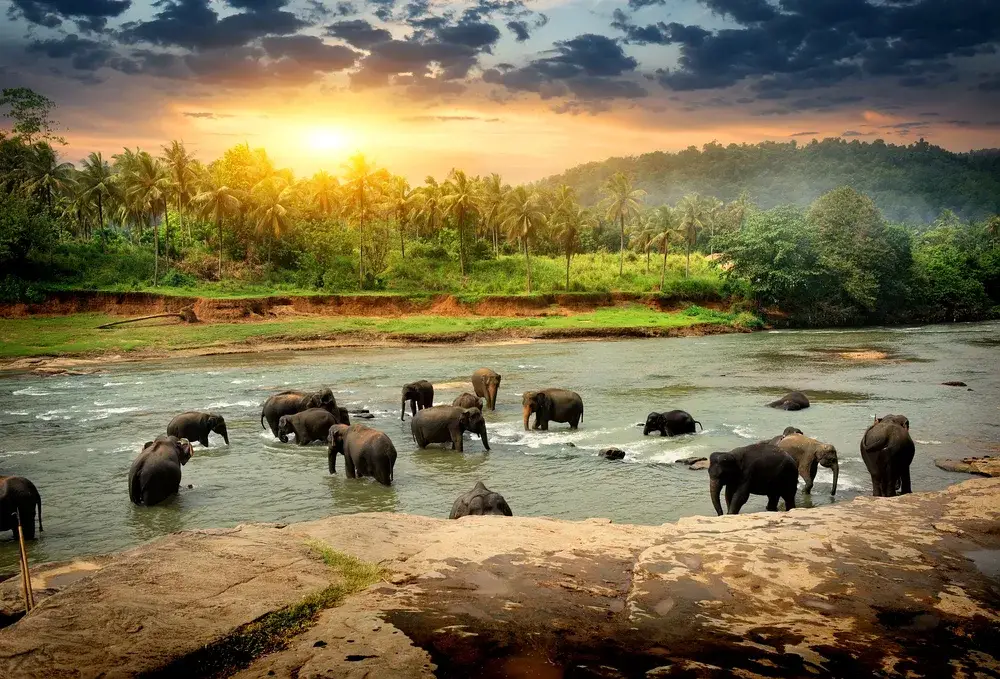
(273, 631)
(78, 333)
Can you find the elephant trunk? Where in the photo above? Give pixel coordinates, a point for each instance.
(491, 396)
(225, 434)
(483, 437)
(402, 409)
(527, 414)
(836, 475)
(646, 429)
(714, 489)
(331, 456)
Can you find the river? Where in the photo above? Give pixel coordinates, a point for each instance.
(75, 436)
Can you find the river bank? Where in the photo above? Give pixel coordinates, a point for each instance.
(896, 587)
(66, 325)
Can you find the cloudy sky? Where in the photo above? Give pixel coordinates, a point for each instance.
(521, 87)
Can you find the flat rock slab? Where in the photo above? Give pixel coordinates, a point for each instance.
(983, 466)
(889, 587)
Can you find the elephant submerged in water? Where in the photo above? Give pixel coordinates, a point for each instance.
(18, 499)
(795, 400)
(480, 501)
(486, 383)
(671, 423)
(420, 395)
(467, 400)
(155, 474)
(552, 405)
(308, 426)
(366, 451)
(758, 469)
(291, 402)
(443, 424)
(887, 449)
(808, 455)
(195, 426)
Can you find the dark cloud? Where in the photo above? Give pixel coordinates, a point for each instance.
(992, 85)
(803, 134)
(84, 54)
(358, 32)
(519, 29)
(257, 5)
(855, 133)
(639, 4)
(90, 15)
(205, 114)
(802, 44)
(473, 34)
(310, 52)
(424, 88)
(383, 8)
(346, 9)
(194, 25)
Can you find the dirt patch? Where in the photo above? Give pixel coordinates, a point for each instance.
(867, 355)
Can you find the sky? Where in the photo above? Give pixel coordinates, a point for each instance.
(525, 88)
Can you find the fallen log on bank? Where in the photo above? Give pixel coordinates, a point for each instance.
(186, 314)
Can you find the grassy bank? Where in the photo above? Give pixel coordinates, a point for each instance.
(77, 334)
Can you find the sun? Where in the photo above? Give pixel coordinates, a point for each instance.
(326, 139)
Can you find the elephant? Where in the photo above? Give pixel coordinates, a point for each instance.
(808, 455)
(441, 424)
(18, 499)
(552, 405)
(308, 426)
(155, 474)
(672, 423)
(887, 450)
(366, 451)
(195, 426)
(761, 469)
(480, 501)
(420, 394)
(291, 402)
(787, 432)
(467, 400)
(486, 383)
(795, 400)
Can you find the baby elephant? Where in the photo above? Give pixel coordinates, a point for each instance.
(420, 394)
(155, 474)
(308, 426)
(808, 455)
(366, 451)
(480, 501)
(888, 450)
(795, 400)
(195, 426)
(467, 400)
(18, 499)
(444, 424)
(672, 423)
(758, 469)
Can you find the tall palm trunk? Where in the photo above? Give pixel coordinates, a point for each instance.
(180, 216)
(621, 249)
(461, 240)
(402, 242)
(218, 225)
(166, 233)
(648, 248)
(100, 216)
(361, 240)
(527, 263)
(156, 249)
(663, 269)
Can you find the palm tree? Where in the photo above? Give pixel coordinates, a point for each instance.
(643, 236)
(621, 202)
(712, 208)
(568, 223)
(146, 186)
(993, 228)
(46, 175)
(360, 175)
(460, 202)
(663, 221)
(271, 215)
(183, 176)
(399, 202)
(523, 216)
(429, 204)
(323, 191)
(692, 219)
(492, 195)
(98, 181)
(217, 201)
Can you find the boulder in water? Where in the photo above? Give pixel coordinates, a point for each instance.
(612, 453)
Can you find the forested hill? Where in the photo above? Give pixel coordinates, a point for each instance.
(910, 183)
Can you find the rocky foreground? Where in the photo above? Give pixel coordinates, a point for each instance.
(890, 587)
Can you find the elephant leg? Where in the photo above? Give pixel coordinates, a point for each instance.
(789, 498)
(349, 469)
(730, 489)
(740, 498)
(544, 425)
(772, 503)
(904, 476)
(575, 422)
(27, 518)
(808, 473)
(457, 443)
(204, 440)
(413, 407)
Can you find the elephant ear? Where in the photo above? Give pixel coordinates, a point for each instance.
(184, 450)
(724, 463)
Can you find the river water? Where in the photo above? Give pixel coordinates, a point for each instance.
(75, 437)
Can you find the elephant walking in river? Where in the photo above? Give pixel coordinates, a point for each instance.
(671, 423)
(888, 450)
(291, 402)
(366, 451)
(420, 395)
(758, 469)
(308, 426)
(808, 455)
(467, 400)
(486, 383)
(552, 405)
(795, 400)
(443, 424)
(155, 474)
(480, 501)
(195, 426)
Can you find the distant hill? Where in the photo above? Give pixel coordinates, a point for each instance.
(910, 183)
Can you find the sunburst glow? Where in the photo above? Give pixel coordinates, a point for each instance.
(327, 139)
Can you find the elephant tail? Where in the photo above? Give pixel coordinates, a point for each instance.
(135, 488)
(581, 413)
(699, 424)
(262, 419)
(38, 499)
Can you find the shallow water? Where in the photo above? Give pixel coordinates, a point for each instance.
(76, 436)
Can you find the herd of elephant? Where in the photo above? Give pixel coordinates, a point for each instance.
(770, 468)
